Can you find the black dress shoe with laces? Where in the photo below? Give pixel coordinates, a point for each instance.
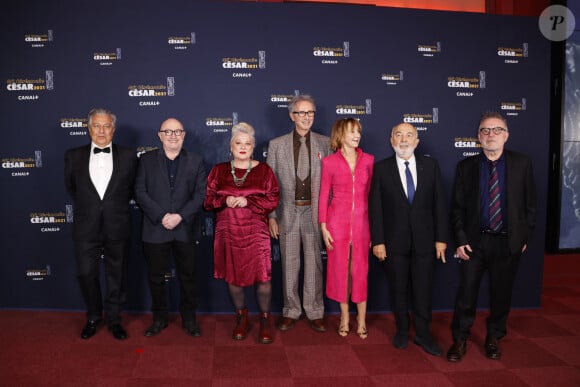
(155, 328)
(457, 350)
(192, 328)
(118, 332)
(90, 329)
(492, 350)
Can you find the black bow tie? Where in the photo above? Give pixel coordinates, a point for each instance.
(99, 150)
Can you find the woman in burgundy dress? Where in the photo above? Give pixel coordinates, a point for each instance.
(242, 193)
(344, 221)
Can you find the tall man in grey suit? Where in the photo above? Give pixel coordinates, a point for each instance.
(99, 178)
(409, 227)
(295, 221)
(170, 189)
(493, 214)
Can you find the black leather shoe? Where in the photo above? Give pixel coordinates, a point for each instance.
(428, 344)
(192, 328)
(492, 350)
(401, 340)
(457, 351)
(90, 329)
(118, 332)
(155, 328)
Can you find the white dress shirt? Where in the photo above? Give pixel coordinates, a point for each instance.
(412, 168)
(101, 168)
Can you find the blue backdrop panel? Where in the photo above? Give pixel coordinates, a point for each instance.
(214, 64)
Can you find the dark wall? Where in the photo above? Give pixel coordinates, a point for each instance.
(439, 70)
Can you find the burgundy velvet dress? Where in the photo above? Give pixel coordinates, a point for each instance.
(242, 252)
(344, 209)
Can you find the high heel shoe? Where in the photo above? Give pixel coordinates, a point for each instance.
(343, 329)
(361, 331)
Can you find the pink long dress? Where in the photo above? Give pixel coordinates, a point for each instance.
(242, 254)
(344, 209)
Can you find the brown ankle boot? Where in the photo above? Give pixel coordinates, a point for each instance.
(265, 328)
(241, 329)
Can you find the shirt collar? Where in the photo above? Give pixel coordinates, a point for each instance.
(297, 136)
(401, 162)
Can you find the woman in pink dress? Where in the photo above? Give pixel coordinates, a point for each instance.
(242, 193)
(343, 216)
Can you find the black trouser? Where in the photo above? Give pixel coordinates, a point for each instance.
(493, 255)
(157, 256)
(88, 258)
(410, 277)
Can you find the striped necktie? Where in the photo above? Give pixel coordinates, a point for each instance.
(495, 219)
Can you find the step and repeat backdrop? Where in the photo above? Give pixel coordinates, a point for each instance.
(214, 64)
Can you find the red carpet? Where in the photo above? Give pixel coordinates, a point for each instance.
(542, 348)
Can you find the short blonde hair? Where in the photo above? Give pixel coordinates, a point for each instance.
(243, 127)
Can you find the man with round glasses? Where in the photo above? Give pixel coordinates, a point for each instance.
(296, 158)
(493, 214)
(170, 189)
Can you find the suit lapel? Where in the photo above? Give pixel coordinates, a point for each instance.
(115, 172)
(314, 154)
(162, 166)
(181, 170)
(86, 161)
(474, 177)
(289, 153)
(509, 169)
(420, 175)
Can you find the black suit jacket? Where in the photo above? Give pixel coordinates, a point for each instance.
(93, 217)
(396, 223)
(521, 201)
(155, 198)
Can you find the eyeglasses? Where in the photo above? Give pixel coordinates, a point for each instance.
(496, 130)
(169, 132)
(309, 113)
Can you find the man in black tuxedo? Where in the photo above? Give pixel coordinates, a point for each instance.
(409, 228)
(170, 188)
(99, 178)
(493, 214)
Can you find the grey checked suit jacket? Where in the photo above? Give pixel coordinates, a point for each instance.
(281, 160)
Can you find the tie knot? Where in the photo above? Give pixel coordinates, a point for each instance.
(406, 164)
(302, 140)
(99, 150)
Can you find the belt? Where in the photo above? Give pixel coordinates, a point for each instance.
(495, 233)
(300, 203)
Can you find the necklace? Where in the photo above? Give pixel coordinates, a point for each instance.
(242, 180)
